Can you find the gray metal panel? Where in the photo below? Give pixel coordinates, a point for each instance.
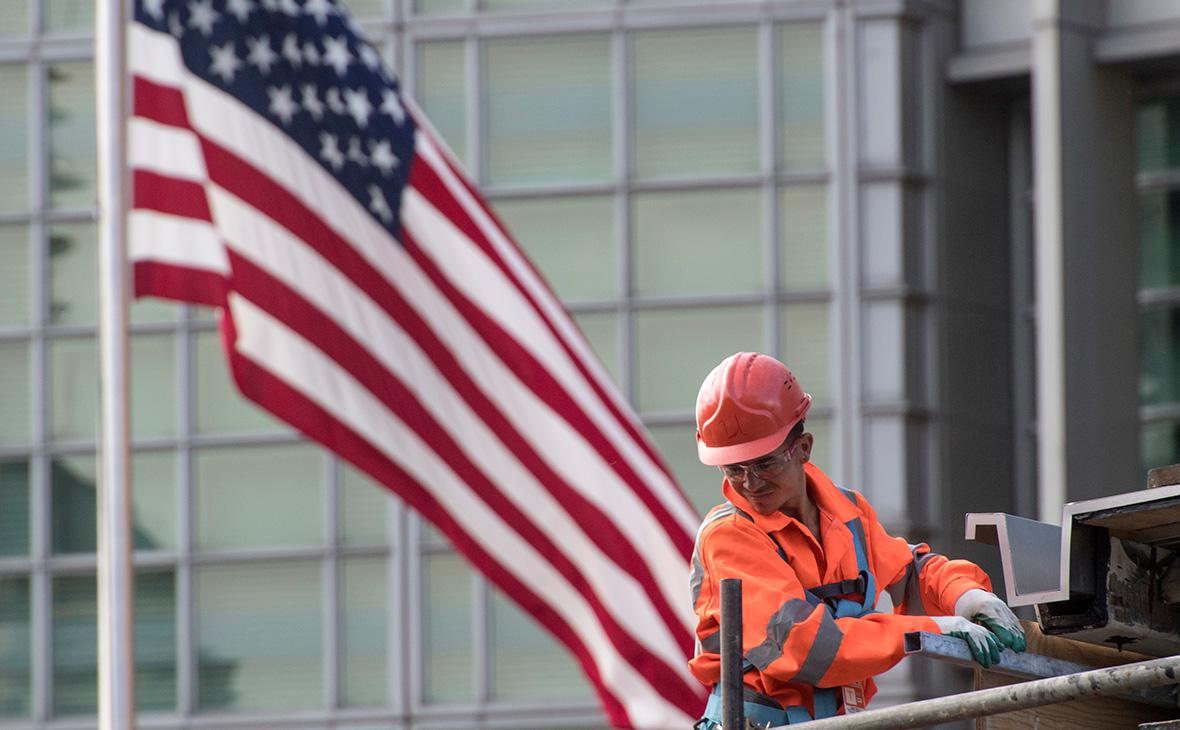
(1025, 665)
(1030, 553)
(1030, 549)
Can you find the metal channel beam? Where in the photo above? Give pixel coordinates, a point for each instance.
(1024, 665)
(1030, 551)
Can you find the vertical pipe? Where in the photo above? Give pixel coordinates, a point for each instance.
(1049, 246)
(733, 716)
(116, 700)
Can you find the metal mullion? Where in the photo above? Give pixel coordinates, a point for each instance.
(473, 102)
(481, 649)
(697, 300)
(621, 132)
(768, 82)
(332, 586)
(415, 623)
(41, 588)
(559, 190)
(186, 673)
(36, 17)
(397, 637)
(702, 183)
(840, 58)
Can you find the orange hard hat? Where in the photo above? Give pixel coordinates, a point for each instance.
(746, 408)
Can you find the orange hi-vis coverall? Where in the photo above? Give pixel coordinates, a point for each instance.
(791, 646)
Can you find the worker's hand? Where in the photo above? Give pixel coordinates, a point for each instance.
(985, 648)
(986, 608)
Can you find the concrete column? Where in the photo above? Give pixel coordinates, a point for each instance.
(1086, 261)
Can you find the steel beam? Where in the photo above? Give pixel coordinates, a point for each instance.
(1025, 665)
(1039, 692)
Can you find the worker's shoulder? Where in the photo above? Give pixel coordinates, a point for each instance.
(726, 518)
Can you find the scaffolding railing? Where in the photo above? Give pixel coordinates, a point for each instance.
(1120, 680)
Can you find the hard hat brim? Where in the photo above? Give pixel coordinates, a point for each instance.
(737, 453)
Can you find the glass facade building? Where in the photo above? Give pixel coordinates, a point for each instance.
(847, 184)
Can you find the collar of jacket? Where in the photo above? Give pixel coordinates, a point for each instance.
(828, 498)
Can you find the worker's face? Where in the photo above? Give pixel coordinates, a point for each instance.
(772, 482)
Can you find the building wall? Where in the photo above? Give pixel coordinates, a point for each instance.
(846, 184)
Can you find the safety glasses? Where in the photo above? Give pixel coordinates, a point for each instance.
(768, 467)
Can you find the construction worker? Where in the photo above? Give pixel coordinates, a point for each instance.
(813, 560)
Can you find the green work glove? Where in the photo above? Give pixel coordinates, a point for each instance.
(1004, 633)
(986, 608)
(985, 647)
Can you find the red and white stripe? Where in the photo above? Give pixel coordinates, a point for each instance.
(442, 365)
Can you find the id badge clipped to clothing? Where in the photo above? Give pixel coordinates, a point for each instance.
(854, 697)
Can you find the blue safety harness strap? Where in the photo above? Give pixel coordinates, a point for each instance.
(763, 710)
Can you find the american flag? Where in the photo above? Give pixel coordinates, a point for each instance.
(370, 299)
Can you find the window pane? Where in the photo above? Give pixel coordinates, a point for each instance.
(75, 643)
(72, 483)
(16, 686)
(602, 331)
(1159, 239)
(824, 452)
(1161, 445)
(541, 4)
(442, 91)
(15, 274)
(803, 228)
(365, 589)
(446, 630)
(364, 505)
(678, 242)
(71, 135)
(150, 309)
(696, 102)
(678, 446)
(220, 407)
(367, 8)
(676, 349)
(69, 16)
(262, 496)
(155, 641)
(73, 287)
(15, 20)
(153, 385)
(801, 95)
(259, 634)
(571, 240)
(154, 500)
(14, 393)
(14, 125)
(75, 646)
(1157, 125)
(440, 7)
(1159, 352)
(14, 508)
(73, 389)
(807, 347)
(527, 663)
(548, 109)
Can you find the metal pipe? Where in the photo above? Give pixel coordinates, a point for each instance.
(733, 713)
(1112, 680)
(116, 650)
(1025, 665)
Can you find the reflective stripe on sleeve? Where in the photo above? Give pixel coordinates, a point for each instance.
(823, 651)
(778, 628)
(698, 568)
(907, 590)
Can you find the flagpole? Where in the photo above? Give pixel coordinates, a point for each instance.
(116, 646)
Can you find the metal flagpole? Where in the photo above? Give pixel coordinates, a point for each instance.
(116, 647)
